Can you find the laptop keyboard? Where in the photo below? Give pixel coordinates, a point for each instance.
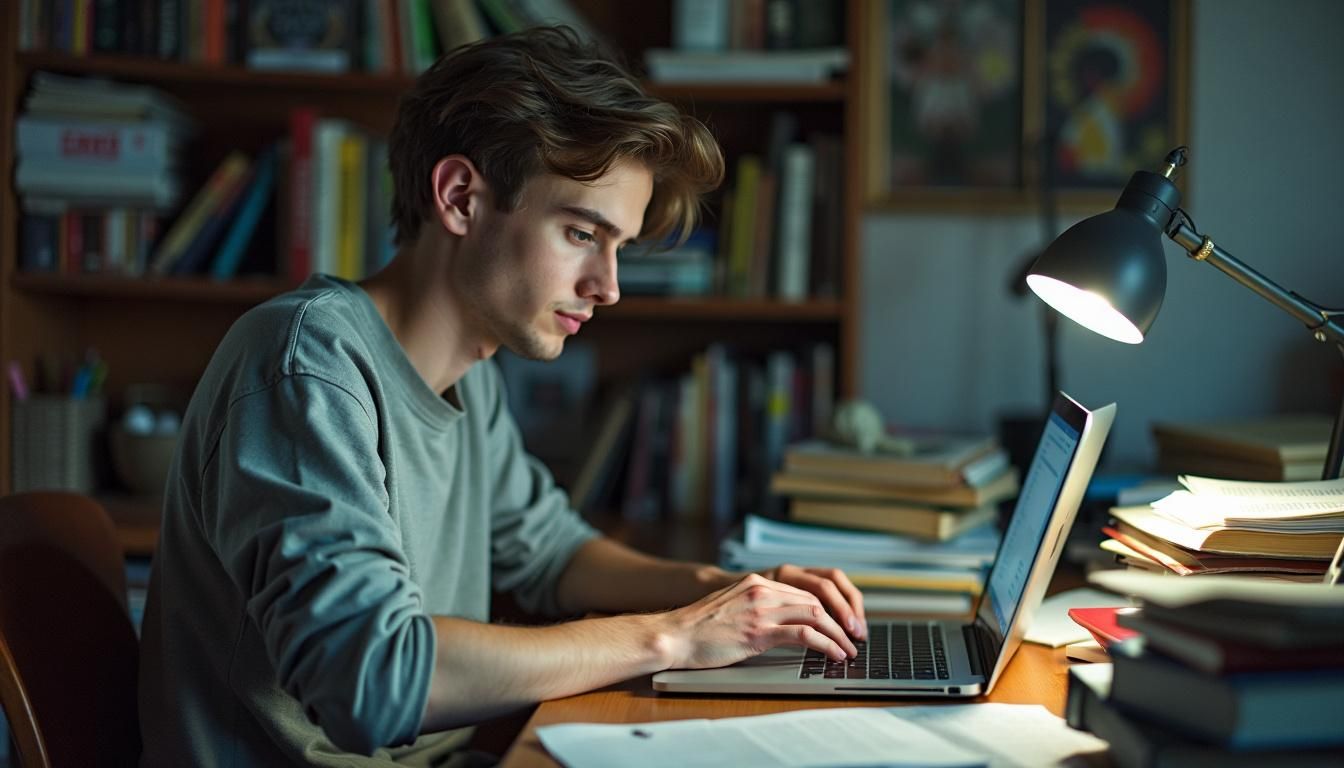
(893, 651)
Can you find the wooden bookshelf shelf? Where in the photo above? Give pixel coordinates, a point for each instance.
(155, 71)
(720, 308)
(750, 93)
(166, 288)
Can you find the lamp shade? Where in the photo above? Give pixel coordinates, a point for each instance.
(1107, 272)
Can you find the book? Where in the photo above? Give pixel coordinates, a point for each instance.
(775, 541)
(197, 253)
(95, 187)
(794, 218)
(209, 198)
(937, 461)
(1262, 710)
(1273, 614)
(740, 66)
(1216, 653)
(458, 22)
(142, 146)
(235, 243)
(1135, 543)
(1272, 440)
(1088, 650)
(1003, 486)
(597, 474)
(301, 35)
(300, 197)
(1136, 743)
(1229, 541)
(938, 523)
(1177, 462)
(350, 239)
(1103, 623)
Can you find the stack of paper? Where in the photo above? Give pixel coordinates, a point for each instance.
(1219, 526)
(896, 573)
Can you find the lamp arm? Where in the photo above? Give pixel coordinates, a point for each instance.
(1324, 324)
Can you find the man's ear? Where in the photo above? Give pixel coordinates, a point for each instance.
(459, 193)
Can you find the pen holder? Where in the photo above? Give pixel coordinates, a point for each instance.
(53, 442)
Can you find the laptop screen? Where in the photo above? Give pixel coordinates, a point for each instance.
(1031, 517)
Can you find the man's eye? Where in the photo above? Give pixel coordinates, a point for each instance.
(580, 236)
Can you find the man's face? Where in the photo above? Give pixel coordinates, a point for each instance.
(534, 275)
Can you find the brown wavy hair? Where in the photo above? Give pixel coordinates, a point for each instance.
(543, 101)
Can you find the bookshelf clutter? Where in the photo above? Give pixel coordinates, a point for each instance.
(1219, 671)
(259, 152)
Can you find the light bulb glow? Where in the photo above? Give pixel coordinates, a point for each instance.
(1085, 308)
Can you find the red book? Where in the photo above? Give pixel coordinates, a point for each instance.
(1220, 655)
(302, 121)
(1102, 624)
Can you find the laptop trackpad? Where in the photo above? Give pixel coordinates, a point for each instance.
(783, 656)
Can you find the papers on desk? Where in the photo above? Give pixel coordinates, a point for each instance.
(993, 735)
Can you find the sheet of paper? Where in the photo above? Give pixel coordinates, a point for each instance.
(810, 738)
(1051, 626)
(991, 735)
(1008, 735)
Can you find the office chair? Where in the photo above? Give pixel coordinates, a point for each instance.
(68, 650)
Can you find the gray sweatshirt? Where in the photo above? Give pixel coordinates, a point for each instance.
(323, 504)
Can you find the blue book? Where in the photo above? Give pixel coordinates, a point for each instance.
(258, 194)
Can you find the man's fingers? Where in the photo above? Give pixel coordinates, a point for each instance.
(851, 593)
(816, 617)
(806, 636)
(829, 595)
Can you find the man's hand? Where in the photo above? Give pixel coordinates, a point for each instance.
(748, 618)
(837, 593)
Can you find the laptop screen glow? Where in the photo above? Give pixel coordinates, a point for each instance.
(1022, 541)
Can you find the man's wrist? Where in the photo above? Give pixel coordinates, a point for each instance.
(712, 578)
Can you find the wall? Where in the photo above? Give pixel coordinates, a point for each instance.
(944, 344)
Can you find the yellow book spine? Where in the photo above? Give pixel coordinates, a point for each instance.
(350, 242)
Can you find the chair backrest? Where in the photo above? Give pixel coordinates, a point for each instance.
(68, 650)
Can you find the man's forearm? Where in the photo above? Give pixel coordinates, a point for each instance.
(610, 577)
(483, 670)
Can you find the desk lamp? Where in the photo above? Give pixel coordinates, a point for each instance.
(1108, 274)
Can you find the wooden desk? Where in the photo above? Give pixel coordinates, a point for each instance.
(1036, 675)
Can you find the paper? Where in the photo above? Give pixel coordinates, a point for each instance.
(992, 735)
(814, 737)
(1052, 627)
(762, 536)
(1009, 735)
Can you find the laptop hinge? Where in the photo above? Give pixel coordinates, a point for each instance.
(973, 649)
(980, 648)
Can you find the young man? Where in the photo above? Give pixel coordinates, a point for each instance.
(350, 486)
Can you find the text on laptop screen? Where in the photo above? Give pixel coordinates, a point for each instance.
(1022, 541)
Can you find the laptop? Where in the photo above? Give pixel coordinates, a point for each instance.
(943, 657)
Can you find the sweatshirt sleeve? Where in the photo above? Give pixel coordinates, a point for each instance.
(296, 506)
(534, 531)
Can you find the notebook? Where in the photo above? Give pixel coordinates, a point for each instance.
(941, 657)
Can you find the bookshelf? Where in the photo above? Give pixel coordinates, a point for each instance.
(165, 329)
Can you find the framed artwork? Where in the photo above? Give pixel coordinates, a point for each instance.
(952, 92)
(965, 101)
(1114, 95)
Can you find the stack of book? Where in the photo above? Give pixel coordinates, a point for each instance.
(897, 574)
(1223, 672)
(97, 166)
(942, 487)
(1277, 448)
(1282, 531)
